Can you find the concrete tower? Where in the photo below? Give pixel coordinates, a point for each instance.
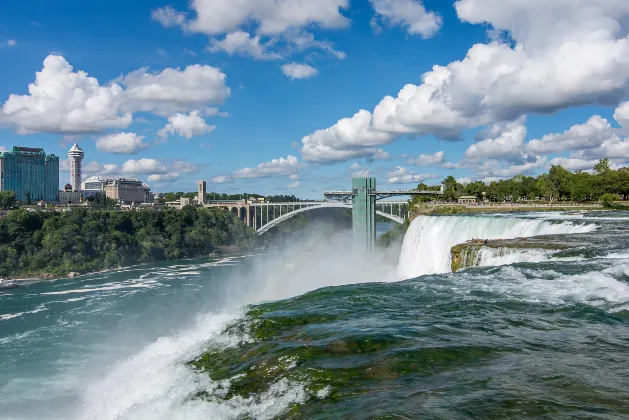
(76, 157)
(201, 191)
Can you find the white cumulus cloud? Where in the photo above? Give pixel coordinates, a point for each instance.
(503, 141)
(282, 166)
(187, 126)
(242, 43)
(428, 160)
(175, 90)
(215, 17)
(549, 63)
(299, 71)
(121, 143)
(66, 102)
(409, 14)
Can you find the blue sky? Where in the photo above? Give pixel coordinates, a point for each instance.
(251, 94)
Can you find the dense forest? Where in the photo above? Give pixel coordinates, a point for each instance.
(34, 243)
(559, 184)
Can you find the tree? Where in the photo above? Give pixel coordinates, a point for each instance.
(546, 187)
(602, 167)
(450, 189)
(7, 199)
(608, 199)
(561, 178)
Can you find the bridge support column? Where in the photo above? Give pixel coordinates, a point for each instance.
(364, 214)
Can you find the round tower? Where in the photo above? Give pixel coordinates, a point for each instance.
(76, 157)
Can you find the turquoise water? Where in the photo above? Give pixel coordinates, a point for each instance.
(324, 334)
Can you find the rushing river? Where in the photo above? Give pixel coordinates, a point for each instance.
(320, 333)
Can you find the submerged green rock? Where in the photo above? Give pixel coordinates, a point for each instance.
(284, 346)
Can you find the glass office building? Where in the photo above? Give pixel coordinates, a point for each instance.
(30, 173)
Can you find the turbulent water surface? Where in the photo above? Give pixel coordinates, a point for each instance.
(321, 333)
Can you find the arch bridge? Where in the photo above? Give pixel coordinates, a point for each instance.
(362, 199)
(264, 216)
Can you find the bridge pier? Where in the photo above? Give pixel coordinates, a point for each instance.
(364, 214)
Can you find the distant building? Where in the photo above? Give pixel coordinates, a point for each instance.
(201, 192)
(76, 157)
(467, 199)
(30, 173)
(123, 190)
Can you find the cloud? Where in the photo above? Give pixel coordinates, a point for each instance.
(573, 164)
(347, 139)
(545, 63)
(213, 17)
(184, 167)
(168, 17)
(186, 126)
(175, 90)
(503, 141)
(581, 136)
(363, 173)
(409, 14)
(65, 102)
(299, 71)
(11, 43)
(281, 166)
(294, 185)
(220, 179)
(163, 177)
(121, 143)
(428, 160)
(354, 166)
(302, 41)
(242, 43)
(144, 166)
(402, 176)
(622, 114)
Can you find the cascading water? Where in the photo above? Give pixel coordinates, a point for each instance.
(427, 244)
(550, 337)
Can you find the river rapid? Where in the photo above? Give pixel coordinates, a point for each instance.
(317, 332)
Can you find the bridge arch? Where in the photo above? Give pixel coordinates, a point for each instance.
(294, 213)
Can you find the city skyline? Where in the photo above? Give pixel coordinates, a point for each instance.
(274, 101)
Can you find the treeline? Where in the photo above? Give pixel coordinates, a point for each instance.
(173, 196)
(36, 243)
(559, 184)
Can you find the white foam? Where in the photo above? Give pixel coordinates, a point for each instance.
(155, 384)
(594, 288)
(427, 244)
(6, 317)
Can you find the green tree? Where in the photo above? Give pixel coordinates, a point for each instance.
(608, 199)
(450, 189)
(602, 167)
(561, 178)
(7, 199)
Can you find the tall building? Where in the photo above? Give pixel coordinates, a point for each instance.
(30, 173)
(76, 157)
(123, 190)
(201, 192)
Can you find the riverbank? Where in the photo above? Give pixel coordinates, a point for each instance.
(444, 209)
(220, 252)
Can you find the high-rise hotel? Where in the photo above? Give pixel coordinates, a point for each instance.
(30, 173)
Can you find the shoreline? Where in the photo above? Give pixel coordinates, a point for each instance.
(445, 209)
(229, 251)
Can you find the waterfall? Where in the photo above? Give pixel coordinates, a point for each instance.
(427, 244)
